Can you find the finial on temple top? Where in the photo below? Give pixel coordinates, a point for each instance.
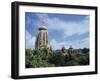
(42, 20)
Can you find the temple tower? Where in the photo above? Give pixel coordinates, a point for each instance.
(42, 38)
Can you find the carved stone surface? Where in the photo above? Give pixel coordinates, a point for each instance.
(42, 38)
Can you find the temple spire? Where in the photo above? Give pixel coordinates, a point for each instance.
(42, 38)
(42, 20)
(42, 23)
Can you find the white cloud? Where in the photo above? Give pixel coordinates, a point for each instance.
(42, 15)
(75, 44)
(30, 41)
(69, 28)
(58, 45)
(85, 42)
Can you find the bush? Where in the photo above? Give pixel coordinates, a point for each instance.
(46, 58)
(58, 59)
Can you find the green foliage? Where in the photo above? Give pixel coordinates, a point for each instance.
(28, 58)
(37, 58)
(83, 59)
(78, 59)
(47, 58)
(85, 50)
(58, 59)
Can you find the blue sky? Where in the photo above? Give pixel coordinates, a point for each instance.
(64, 29)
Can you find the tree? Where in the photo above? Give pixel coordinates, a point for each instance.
(47, 58)
(83, 59)
(37, 58)
(85, 50)
(58, 59)
(28, 58)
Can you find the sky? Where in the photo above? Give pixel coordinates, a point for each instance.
(64, 29)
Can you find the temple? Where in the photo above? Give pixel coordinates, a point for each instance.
(42, 38)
